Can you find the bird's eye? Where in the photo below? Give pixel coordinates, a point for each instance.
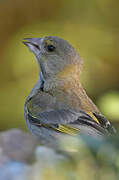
(50, 48)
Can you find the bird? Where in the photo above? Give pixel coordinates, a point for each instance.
(58, 104)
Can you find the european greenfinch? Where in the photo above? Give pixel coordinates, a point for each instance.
(58, 104)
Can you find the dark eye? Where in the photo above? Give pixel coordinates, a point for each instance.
(50, 48)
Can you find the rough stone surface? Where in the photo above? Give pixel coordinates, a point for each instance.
(13, 170)
(16, 145)
(17, 150)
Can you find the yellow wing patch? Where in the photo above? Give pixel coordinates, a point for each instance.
(67, 129)
(94, 118)
(61, 128)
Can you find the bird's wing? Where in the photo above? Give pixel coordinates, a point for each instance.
(67, 121)
(105, 123)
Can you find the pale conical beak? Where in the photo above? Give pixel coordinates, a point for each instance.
(34, 44)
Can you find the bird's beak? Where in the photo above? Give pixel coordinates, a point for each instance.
(34, 44)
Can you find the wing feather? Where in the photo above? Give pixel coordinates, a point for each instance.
(66, 121)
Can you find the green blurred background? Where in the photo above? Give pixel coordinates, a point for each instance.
(92, 27)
